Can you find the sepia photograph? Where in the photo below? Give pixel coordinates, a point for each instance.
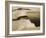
(24, 19)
